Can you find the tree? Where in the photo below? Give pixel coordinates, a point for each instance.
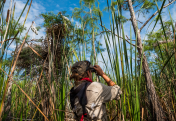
(88, 15)
(157, 43)
(160, 115)
(141, 6)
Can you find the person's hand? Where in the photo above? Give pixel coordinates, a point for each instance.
(98, 70)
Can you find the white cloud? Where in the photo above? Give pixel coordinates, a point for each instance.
(9, 52)
(71, 9)
(74, 4)
(78, 24)
(35, 10)
(57, 5)
(102, 1)
(173, 11)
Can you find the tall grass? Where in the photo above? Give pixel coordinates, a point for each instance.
(45, 96)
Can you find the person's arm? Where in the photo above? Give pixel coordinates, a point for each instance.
(108, 80)
(103, 75)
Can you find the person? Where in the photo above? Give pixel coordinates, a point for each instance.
(88, 98)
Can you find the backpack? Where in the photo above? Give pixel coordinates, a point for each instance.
(80, 93)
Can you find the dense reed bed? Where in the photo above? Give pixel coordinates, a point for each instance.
(34, 81)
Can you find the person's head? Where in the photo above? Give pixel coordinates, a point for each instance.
(81, 69)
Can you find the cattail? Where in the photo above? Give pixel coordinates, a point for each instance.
(1, 31)
(7, 18)
(4, 1)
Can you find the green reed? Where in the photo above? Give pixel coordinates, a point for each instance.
(122, 66)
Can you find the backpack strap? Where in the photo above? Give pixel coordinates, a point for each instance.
(80, 93)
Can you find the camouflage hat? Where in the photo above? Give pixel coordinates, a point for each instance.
(81, 66)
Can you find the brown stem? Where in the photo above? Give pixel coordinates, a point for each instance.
(25, 94)
(155, 14)
(156, 106)
(8, 39)
(174, 43)
(11, 75)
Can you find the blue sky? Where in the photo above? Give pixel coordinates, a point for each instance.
(43, 6)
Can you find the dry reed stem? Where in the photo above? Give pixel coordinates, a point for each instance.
(19, 119)
(38, 82)
(13, 38)
(11, 74)
(25, 94)
(27, 12)
(40, 79)
(68, 68)
(7, 26)
(42, 69)
(50, 58)
(7, 39)
(174, 43)
(35, 51)
(35, 112)
(10, 78)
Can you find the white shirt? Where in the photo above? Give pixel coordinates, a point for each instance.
(97, 95)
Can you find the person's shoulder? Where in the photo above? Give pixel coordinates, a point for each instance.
(95, 86)
(101, 86)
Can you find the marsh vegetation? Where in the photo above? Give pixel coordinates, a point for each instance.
(34, 78)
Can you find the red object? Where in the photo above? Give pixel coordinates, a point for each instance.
(87, 79)
(82, 117)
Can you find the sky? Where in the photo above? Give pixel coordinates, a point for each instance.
(43, 6)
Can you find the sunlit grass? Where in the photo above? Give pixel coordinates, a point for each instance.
(51, 88)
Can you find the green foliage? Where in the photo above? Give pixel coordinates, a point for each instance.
(88, 14)
(51, 19)
(48, 84)
(158, 43)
